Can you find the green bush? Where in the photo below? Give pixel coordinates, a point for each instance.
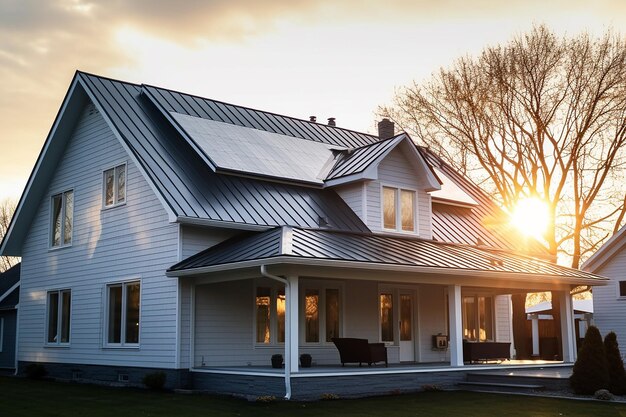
(617, 374)
(155, 380)
(35, 371)
(591, 371)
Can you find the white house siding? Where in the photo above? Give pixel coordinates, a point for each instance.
(352, 194)
(395, 170)
(609, 311)
(503, 318)
(432, 321)
(127, 242)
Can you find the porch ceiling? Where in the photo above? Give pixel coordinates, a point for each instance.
(375, 252)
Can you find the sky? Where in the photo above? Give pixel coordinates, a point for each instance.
(332, 58)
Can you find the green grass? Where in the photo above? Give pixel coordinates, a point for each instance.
(22, 397)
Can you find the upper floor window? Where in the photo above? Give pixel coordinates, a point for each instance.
(115, 186)
(62, 218)
(58, 319)
(398, 209)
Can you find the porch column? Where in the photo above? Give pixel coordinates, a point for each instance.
(456, 325)
(292, 324)
(535, 333)
(567, 327)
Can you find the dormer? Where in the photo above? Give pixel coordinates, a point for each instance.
(387, 184)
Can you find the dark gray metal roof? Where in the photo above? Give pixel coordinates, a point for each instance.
(485, 223)
(188, 185)
(358, 160)
(8, 280)
(319, 244)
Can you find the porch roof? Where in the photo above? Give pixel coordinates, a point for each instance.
(293, 245)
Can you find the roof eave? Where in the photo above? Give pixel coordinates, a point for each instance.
(291, 260)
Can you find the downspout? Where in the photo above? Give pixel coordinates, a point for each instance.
(287, 331)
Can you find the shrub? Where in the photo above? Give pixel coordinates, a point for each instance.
(591, 372)
(155, 380)
(266, 399)
(329, 397)
(35, 371)
(617, 374)
(603, 395)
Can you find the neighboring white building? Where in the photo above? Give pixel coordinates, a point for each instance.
(609, 301)
(164, 231)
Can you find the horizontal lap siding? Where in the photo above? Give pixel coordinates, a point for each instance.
(352, 194)
(609, 310)
(503, 318)
(432, 321)
(125, 242)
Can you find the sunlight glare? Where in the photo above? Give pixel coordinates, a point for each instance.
(531, 217)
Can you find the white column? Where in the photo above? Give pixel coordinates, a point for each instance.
(535, 334)
(567, 327)
(456, 325)
(292, 323)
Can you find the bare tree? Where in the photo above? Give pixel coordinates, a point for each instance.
(7, 208)
(541, 116)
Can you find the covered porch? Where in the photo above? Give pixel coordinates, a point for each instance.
(246, 304)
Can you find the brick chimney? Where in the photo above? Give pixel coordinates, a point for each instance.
(313, 119)
(386, 129)
(331, 121)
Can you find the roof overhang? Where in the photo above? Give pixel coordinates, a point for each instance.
(443, 276)
(606, 252)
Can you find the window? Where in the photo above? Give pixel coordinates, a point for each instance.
(115, 186)
(58, 318)
(62, 219)
(321, 314)
(386, 317)
(398, 209)
(123, 313)
(270, 306)
(478, 318)
(622, 288)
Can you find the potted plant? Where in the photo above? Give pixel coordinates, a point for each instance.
(305, 360)
(277, 360)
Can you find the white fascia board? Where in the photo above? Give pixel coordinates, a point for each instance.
(605, 252)
(197, 221)
(179, 129)
(170, 212)
(34, 173)
(371, 173)
(289, 260)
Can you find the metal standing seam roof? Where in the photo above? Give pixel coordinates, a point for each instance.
(319, 244)
(359, 159)
(8, 280)
(190, 188)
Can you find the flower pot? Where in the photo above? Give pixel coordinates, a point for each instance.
(305, 360)
(277, 361)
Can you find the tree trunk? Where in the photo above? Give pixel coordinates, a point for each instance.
(520, 336)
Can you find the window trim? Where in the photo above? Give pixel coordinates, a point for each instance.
(274, 292)
(115, 189)
(59, 313)
(398, 207)
(105, 333)
(618, 289)
(51, 244)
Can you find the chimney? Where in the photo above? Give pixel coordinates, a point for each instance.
(312, 119)
(386, 129)
(331, 121)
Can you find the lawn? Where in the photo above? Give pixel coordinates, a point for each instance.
(22, 397)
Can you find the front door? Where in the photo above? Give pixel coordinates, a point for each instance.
(407, 344)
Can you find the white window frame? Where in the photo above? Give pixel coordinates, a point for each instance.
(62, 244)
(321, 313)
(274, 289)
(124, 284)
(115, 203)
(398, 206)
(617, 289)
(59, 314)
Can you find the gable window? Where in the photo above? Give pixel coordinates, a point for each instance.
(62, 219)
(398, 209)
(321, 314)
(270, 315)
(478, 318)
(115, 186)
(622, 288)
(58, 317)
(123, 313)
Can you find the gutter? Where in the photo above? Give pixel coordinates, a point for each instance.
(287, 329)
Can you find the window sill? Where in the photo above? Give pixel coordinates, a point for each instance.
(57, 345)
(121, 347)
(113, 206)
(400, 232)
(55, 248)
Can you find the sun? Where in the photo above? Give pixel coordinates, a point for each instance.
(531, 217)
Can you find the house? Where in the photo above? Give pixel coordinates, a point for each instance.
(9, 296)
(165, 231)
(609, 301)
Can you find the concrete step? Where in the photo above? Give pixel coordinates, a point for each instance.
(549, 383)
(499, 387)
